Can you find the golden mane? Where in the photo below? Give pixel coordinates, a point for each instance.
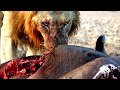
(24, 29)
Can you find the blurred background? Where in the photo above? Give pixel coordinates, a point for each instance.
(94, 24)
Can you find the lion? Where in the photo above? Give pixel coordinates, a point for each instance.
(36, 30)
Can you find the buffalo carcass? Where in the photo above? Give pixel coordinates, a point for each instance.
(66, 58)
(62, 60)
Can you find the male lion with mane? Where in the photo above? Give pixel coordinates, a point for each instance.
(37, 30)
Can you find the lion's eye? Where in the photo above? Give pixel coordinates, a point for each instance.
(45, 24)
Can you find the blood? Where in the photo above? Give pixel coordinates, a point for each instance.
(25, 66)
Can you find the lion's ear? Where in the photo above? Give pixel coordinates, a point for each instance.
(75, 23)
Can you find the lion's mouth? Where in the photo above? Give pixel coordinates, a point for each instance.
(48, 44)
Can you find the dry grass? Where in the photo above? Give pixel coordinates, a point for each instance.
(95, 23)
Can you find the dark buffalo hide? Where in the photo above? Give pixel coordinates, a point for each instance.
(64, 61)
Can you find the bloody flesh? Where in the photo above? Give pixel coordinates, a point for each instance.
(22, 67)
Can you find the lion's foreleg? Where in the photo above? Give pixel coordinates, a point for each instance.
(2, 52)
(8, 47)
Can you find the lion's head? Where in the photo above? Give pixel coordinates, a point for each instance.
(45, 28)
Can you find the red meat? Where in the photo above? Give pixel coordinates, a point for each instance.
(21, 67)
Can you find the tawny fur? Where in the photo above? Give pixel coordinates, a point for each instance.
(24, 30)
(20, 28)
